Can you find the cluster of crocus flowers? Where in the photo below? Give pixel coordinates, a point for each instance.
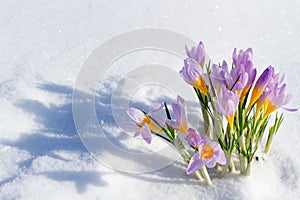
(236, 105)
(232, 94)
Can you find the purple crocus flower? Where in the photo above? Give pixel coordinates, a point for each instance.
(260, 85)
(193, 137)
(180, 114)
(227, 104)
(221, 76)
(193, 74)
(209, 154)
(144, 123)
(243, 57)
(232, 79)
(244, 68)
(277, 97)
(263, 100)
(197, 53)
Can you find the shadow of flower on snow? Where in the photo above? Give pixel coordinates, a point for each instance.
(55, 133)
(81, 179)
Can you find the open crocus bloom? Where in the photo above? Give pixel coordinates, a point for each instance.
(193, 75)
(144, 122)
(209, 154)
(197, 53)
(180, 114)
(227, 104)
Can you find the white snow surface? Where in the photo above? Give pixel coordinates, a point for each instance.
(43, 44)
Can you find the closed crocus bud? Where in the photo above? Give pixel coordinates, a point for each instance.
(193, 74)
(197, 53)
(260, 85)
(180, 112)
(227, 104)
(193, 137)
(244, 68)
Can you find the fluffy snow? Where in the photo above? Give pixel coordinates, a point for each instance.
(43, 44)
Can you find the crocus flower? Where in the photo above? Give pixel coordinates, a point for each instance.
(243, 57)
(227, 104)
(209, 154)
(193, 74)
(180, 114)
(263, 100)
(144, 123)
(277, 99)
(244, 68)
(220, 75)
(197, 53)
(260, 85)
(193, 137)
(232, 78)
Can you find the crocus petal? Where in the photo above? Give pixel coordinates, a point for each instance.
(220, 108)
(158, 119)
(227, 102)
(264, 78)
(180, 100)
(193, 137)
(290, 109)
(136, 115)
(210, 163)
(194, 164)
(183, 110)
(222, 158)
(177, 111)
(156, 108)
(146, 134)
(173, 124)
(137, 133)
(193, 74)
(128, 126)
(197, 53)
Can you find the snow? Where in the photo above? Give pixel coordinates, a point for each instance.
(43, 45)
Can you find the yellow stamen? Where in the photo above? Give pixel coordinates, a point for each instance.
(152, 126)
(206, 152)
(146, 120)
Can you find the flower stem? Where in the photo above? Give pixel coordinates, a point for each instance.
(206, 175)
(207, 128)
(269, 143)
(248, 169)
(244, 165)
(185, 155)
(229, 166)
